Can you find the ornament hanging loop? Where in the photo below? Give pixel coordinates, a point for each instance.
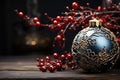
(95, 23)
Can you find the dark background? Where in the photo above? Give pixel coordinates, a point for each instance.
(8, 17)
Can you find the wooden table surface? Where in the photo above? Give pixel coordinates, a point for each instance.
(24, 67)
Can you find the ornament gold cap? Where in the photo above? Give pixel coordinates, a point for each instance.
(95, 22)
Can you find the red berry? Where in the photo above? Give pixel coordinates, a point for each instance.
(61, 31)
(99, 8)
(88, 4)
(70, 18)
(69, 56)
(37, 24)
(55, 55)
(108, 24)
(21, 14)
(67, 7)
(58, 18)
(75, 5)
(55, 22)
(41, 61)
(58, 38)
(43, 68)
(62, 57)
(51, 68)
(58, 66)
(47, 58)
(35, 19)
(46, 14)
(113, 7)
(47, 64)
(41, 64)
(107, 16)
(59, 26)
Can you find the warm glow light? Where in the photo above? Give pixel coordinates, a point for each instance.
(33, 43)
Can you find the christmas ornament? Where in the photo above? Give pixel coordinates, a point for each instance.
(95, 48)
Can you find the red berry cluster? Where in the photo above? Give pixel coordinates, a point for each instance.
(78, 17)
(32, 21)
(59, 62)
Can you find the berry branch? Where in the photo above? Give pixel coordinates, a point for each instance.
(74, 18)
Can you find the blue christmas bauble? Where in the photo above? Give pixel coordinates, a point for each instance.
(95, 49)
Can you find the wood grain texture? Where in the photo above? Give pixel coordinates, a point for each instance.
(24, 68)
